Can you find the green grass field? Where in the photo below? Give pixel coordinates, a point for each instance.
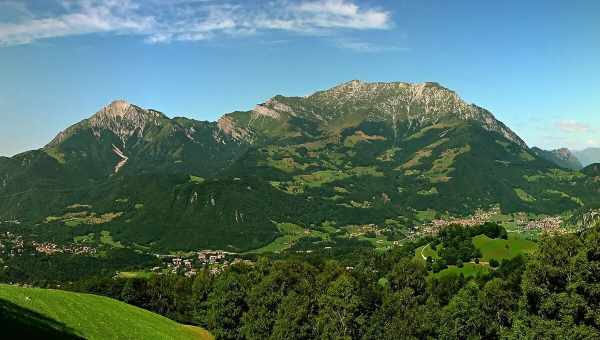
(106, 238)
(290, 234)
(468, 270)
(425, 251)
(135, 275)
(498, 249)
(90, 316)
(503, 249)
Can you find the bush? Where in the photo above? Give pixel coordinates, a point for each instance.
(494, 263)
(460, 264)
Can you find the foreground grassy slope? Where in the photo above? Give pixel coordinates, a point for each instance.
(90, 316)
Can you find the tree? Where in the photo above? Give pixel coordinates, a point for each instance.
(226, 305)
(401, 314)
(129, 293)
(409, 273)
(339, 310)
(462, 317)
(497, 303)
(295, 318)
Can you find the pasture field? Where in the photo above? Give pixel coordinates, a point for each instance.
(135, 275)
(502, 249)
(290, 234)
(468, 270)
(88, 316)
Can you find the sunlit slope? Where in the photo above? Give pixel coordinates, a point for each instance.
(87, 316)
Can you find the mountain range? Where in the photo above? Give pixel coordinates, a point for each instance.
(570, 159)
(358, 153)
(588, 156)
(562, 157)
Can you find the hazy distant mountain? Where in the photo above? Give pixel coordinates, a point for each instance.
(561, 157)
(359, 153)
(588, 156)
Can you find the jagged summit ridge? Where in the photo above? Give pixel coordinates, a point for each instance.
(415, 105)
(401, 105)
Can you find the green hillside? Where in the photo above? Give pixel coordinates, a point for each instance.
(47, 313)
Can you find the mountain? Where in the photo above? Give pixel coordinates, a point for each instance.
(592, 170)
(588, 156)
(561, 157)
(146, 141)
(356, 154)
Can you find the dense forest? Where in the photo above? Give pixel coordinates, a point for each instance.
(552, 294)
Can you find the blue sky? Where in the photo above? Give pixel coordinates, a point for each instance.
(535, 64)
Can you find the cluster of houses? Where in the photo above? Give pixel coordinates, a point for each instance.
(179, 265)
(10, 221)
(215, 260)
(551, 225)
(366, 229)
(211, 256)
(49, 248)
(480, 217)
(11, 244)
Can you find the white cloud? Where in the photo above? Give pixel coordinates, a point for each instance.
(81, 17)
(572, 126)
(341, 14)
(191, 20)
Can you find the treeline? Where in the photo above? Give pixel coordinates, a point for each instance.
(554, 294)
(48, 271)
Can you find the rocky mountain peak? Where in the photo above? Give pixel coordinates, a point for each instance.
(119, 117)
(122, 110)
(417, 104)
(117, 108)
(124, 120)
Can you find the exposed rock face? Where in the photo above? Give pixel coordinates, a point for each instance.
(119, 117)
(124, 120)
(417, 104)
(228, 126)
(413, 105)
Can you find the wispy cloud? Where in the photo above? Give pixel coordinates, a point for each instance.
(158, 21)
(572, 126)
(367, 47)
(79, 17)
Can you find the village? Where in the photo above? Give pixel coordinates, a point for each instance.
(522, 221)
(216, 261)
(12, 244)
